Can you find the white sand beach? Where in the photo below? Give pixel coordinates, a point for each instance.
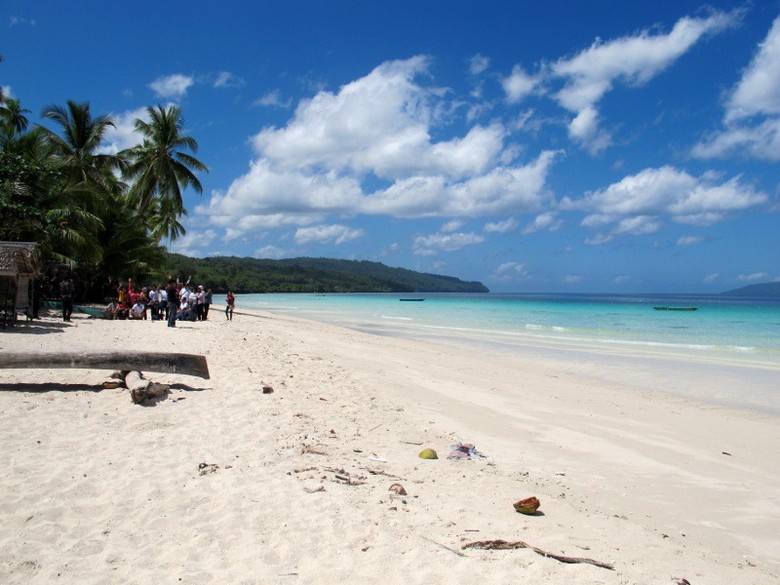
(295, 486)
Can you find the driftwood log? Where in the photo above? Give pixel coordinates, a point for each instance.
(142, 389)
(175, 363)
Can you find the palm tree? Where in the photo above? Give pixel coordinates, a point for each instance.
(14, 121)
(38, 204)
(161, 169)
(78, 146)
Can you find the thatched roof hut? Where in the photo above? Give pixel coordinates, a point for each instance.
(18, 267)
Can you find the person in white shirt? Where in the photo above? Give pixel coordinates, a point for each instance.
(137, 312)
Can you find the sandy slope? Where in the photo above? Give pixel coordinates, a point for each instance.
(96, 489)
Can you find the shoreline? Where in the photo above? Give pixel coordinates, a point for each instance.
(658, 484)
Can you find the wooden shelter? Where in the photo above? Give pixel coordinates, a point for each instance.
(18, 268)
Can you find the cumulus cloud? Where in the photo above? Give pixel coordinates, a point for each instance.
(123, 134)
(519, 85)
(193, 243)
(639, 204)
(171, 86)
(271, 252)
(441, 242)
(326, 234)
(752, 117)
(368, 149)
(547, 221)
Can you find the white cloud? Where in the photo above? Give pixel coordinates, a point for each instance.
(752, 118)
(270, 251)
(326, 234)
(435, 243)
(20, 21)
(547, 221)
(377, 131)
(755, 277)
(273, 99)
(501, 227)
(193, 243)
(478, 64)
(689, 240)
(510, 272)
(267, 197)
(639, 203)
(599, 239)
(123, 134)
(171, 86)
(452, 226)
(633, 60)
(758, 92)
(710, 278)
(519, 85)
(227, 79)
(761, 142)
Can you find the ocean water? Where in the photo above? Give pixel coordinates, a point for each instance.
(729, 326)
(725, 352)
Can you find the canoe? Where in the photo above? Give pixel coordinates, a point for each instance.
(415, 300)
(675, 308)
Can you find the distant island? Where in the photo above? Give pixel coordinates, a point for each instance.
(318, 275)
(766, 289)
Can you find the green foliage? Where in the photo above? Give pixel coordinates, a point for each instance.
(250, 275)
(59, 190)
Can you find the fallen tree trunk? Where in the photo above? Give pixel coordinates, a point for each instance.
(142, 389)
(175, 363)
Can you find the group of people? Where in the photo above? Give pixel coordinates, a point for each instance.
(175, 302)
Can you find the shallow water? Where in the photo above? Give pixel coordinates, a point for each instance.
(727, 325)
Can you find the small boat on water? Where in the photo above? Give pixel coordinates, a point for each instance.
(675, 308)
(413, 300)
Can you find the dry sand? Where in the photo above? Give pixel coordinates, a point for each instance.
(96, 489)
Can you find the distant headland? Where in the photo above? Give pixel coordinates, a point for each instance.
(765, 289)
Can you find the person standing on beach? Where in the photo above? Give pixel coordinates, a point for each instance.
(230, 299)
(207, 304)
(173, 302)
(66, 292)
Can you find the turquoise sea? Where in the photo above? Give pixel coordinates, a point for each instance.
(731, 326)
(728, 338)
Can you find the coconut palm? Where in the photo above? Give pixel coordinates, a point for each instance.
(78, 146)
(13, 118)
(161, 169)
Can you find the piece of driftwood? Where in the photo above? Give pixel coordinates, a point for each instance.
(175, 363)
(142, 389)
(505, 545)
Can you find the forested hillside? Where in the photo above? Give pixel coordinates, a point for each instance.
(766, 289)
(250, 275)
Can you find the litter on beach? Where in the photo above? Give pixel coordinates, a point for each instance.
(465, 451)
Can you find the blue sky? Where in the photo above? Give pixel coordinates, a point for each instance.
(602, 146)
